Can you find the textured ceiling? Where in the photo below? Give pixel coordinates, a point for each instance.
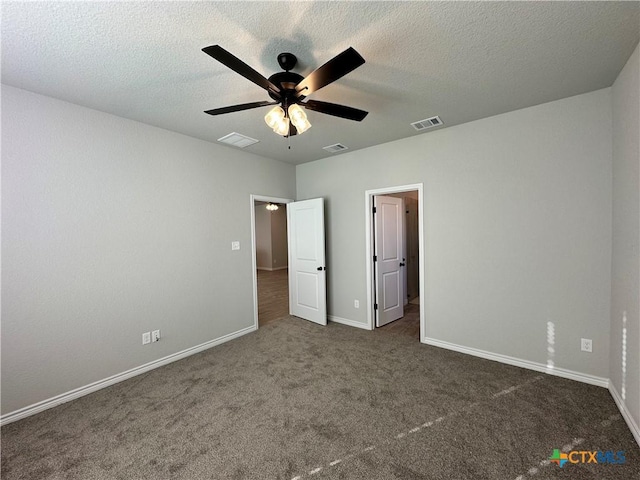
(459, 60)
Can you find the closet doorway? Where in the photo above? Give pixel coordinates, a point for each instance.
(395, 266)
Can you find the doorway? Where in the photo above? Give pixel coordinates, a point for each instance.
(395, 276)
(269, 258)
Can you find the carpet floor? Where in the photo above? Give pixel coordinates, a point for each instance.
(298, 401)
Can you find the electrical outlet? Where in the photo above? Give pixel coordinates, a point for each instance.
(586, 345)
(356, 303)
(146, 338)
(235, 245)
(155, 335)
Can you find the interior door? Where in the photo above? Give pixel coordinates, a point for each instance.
(388, 262)
(307, 272)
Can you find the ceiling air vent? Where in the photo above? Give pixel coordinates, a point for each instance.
(338, 147)
(238, 140)
(427, 123)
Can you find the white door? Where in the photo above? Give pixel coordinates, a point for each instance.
(307, 277)
(388, 261)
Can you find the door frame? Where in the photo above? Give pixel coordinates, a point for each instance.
(254, 263)
(369, 235)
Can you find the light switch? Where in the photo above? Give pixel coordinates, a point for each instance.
(235, 245)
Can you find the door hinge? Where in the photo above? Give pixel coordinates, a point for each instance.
(375, 306)
(374, 209)
(375, 258)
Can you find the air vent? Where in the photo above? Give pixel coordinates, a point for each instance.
(338, 147)
(238, 140)
(427, 123)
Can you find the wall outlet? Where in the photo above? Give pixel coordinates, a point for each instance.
(155, 335)
(235, 245)
(356, 303)
(586, 345)
(146, 338)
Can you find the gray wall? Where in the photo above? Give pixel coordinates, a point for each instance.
(517, 228)
(263, 237)
(279, 251)
(625, 292)
(111, 228)
(271, 237)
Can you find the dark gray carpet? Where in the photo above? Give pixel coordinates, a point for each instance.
(299, 400)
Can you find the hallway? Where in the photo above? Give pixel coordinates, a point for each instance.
(273, 296)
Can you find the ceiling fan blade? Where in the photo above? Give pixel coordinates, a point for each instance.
(239, 108)
(336, 110)
(238, 66)
(331, 71)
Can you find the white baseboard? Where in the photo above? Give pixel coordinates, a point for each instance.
(518, 362)
(100, 384)
(626, 414)
(269, 269)
(346, 321)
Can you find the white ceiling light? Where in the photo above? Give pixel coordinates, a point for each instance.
(272, 206)
(277, 121)
(299, 118)
(280, 121)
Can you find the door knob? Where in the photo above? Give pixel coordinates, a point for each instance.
(320, 269)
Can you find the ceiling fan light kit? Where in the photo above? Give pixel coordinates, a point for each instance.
(298, 118)
(289, 89)
(278, 120)
(282, 128)
(275, 115)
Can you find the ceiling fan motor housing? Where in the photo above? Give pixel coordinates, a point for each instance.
(287, 82)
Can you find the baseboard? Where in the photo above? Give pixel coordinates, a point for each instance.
(346, 321)
(626, 414)
(518, 362)
(269, 269)
(100, 384)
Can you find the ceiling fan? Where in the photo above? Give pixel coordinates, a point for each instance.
(289, 89)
